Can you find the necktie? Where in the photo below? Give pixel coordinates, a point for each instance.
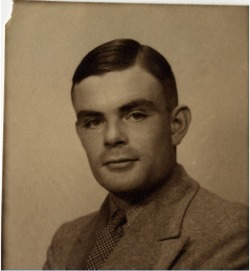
(106, 241)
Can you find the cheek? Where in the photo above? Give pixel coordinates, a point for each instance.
(90, 145)
(155, 135)
(155, 149)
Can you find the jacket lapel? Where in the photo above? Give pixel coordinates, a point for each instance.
(83, 244)
(154, 240)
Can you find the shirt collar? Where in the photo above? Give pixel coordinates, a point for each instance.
(133, 211)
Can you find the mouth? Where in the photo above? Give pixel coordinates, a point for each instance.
(121, 163)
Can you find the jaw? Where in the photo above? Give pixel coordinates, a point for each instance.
(137, 196)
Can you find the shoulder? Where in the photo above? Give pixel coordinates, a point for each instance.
(217, 230)
(64, 239)
(215, 210)
(205, 209)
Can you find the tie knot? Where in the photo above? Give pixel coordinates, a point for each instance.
(119, 218)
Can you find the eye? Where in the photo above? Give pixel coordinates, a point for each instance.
(94, 123)
(90, 123)
(137, 116)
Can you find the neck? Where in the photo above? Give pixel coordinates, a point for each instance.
(131, 198)
(126, 200)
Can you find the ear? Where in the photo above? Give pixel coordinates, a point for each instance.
(180, 120)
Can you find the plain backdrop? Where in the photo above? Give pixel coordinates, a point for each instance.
(46, 179)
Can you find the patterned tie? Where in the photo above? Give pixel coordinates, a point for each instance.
(106, 241)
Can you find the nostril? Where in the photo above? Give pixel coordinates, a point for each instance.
(115, 143)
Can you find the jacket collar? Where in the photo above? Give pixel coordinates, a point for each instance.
(170, 205)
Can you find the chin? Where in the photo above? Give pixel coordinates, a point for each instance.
(120, 188)
(124, 185)
(119, 181)
(133, 196)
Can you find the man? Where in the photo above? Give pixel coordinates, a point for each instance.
(155, 216)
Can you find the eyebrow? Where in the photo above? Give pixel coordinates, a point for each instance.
(138, 103)
(88, 114)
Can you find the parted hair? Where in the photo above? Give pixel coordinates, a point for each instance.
(121, 54)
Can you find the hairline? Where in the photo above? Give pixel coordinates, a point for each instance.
(135, 63)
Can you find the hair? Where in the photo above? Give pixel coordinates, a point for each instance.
(121, 54)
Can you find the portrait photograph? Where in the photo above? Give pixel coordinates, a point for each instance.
(125, 136)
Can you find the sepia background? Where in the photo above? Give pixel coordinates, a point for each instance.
(46, 178)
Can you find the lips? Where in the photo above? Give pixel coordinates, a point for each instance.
(119, 160)
(120, 163)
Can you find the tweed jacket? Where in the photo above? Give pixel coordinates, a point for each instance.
(184, 227)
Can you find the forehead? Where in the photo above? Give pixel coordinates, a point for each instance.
(114, 89)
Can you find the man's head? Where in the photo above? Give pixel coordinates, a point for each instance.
(128, 121)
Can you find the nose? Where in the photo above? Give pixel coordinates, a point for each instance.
(115, 134)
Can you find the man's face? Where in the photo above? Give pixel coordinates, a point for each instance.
(124, 127)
